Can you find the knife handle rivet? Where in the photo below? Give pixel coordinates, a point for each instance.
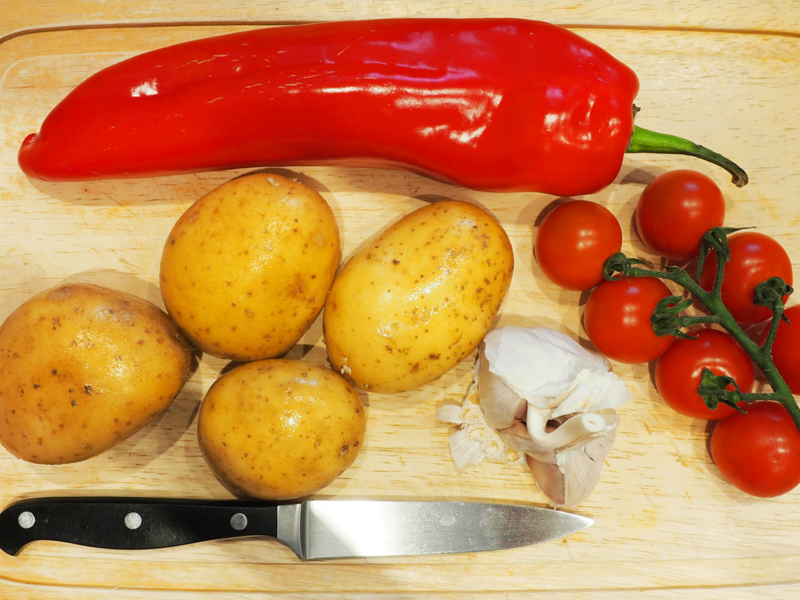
(26, 519)
(133, 520)
(238, 521)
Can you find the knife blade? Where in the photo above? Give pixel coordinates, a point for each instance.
(314, 529)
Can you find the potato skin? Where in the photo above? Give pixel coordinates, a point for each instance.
(408, 307)
(246, 269)
(83, 367)
(280, 429)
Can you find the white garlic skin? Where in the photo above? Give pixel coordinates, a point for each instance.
(537, 375)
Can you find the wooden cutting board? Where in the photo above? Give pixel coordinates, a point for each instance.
(667, 525)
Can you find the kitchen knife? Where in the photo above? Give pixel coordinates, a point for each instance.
(315, 529)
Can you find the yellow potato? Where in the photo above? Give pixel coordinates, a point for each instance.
(83, 367)
(408, 307)
(280, 429)
(246, 269)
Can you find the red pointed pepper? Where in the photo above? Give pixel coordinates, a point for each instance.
(490, 104)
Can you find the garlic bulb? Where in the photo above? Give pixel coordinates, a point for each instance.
(544, 397)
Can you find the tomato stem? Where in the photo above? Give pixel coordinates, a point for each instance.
(754, 397)
(716, 239)
(777, 315)
(689, 321)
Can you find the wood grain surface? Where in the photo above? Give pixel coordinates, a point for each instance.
(755, 15)
(667, 525)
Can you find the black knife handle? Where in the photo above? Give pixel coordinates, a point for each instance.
(132, 523)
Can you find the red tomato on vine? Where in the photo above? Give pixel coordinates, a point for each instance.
(574, 240)
(786, 348)
(679, 369)
(617, 319)
(758, 452)
(675, 210)
(755, 257)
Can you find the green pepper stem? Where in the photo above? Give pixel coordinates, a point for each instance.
(644, 140)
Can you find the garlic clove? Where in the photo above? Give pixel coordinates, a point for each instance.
(582, 467)
(550, 480)
(500, 403)
(576, 471)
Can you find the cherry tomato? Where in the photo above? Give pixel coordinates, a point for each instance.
(679, 369)
(758, 452)
(617, 319)
(675, 210)
(755, 257)
(574, 240)
(786, 348)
